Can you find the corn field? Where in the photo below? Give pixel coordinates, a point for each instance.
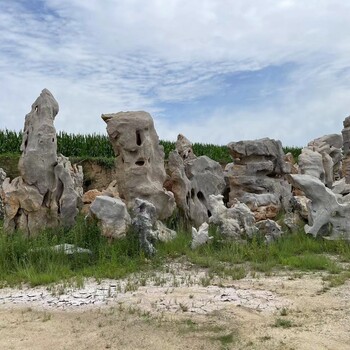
(99, 146)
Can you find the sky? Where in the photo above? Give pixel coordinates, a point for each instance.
(216, 71)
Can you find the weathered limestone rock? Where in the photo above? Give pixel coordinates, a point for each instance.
(111, 190)
(346, 150)
(39, 144)
(88, 198)
(256, 177)
(113, 215)
(270, 229)
(184, 148)
(2, 178)
(192, 180)
(140, 171)
(322, 158)
(328, 217)
(236, 222)
(148, 228)
(201, 236)
(48, 191)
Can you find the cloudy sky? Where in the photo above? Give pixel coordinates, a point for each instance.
(214, 70)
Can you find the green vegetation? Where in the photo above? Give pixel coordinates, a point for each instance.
(99, 146)
(283, 323)
(31, 260)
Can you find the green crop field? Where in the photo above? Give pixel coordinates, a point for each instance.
(99, 146)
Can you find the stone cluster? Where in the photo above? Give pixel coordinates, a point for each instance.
(256, 177)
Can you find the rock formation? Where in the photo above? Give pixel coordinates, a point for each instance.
(236, 223)
(140, 171)
(201, 236)
(256, 176)
(328, 212)
(148, 228)
(346, 150)
(46, 193)
(113, 215)
(322, 158)
(192, 180)
(2, 178)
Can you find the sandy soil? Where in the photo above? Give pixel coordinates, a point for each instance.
(245, 314)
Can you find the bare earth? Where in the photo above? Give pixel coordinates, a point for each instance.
(178, 310)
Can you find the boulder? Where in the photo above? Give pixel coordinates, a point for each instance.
(140, 171)
(113, 215)
(48, 191)
(236, 223)
(192, 180)
(270, 229)
(256, 176)
(322, 158)
(328, 216)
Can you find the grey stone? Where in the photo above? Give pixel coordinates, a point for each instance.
(113, 215)
(192, 179)
(236, 222)
(48, 191)
(328, 217)
(256, 176)
(148, 228)
(139, 160)
(270, 229)
(328, 167)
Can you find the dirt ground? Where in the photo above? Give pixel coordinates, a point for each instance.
(313, 317)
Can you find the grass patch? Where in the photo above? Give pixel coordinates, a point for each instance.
(283, 323)
(31, 260)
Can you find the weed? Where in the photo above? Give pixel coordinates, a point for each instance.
(283, 323)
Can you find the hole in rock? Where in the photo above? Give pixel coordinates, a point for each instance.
(36, 108)
(209, 213)
(200, 196)
(138, 138)
(140, 162)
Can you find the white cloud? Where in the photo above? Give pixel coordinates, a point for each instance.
(99, 57)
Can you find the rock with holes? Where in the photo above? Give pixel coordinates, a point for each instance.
(322, 158)
(192, 180)
(256, 176)
(328, 212)
(113, 215)
(184, 148)
(2, 178)
(48, 191)
(140, 171)
(201, 236)
(237, 222)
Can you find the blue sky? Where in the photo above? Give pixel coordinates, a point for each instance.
(214, 70)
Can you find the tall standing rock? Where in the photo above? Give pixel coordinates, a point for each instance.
(45, 194)
(140, 168)
(192, 180)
